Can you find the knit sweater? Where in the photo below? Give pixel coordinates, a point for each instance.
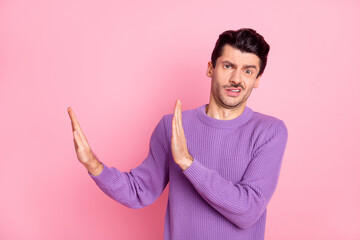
(224, 193)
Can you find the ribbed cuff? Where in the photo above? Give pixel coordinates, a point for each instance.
(196, 173)
(104, 176)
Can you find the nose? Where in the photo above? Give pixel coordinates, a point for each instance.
(236, 77)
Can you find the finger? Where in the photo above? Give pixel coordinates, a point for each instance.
(180, 116)
(177, 118)
(74, 122)
(69, 110)
(175, 130)
(174, 120)
(175, 107)
(76, 126)
(75, 143)
(78, 141)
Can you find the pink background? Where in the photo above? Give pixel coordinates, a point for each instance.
(122, 65)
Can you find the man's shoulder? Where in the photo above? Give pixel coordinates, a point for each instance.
(268, 126)
(265, 120)
(262, 117)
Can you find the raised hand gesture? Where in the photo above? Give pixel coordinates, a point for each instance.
(82, 147)
(179, 148)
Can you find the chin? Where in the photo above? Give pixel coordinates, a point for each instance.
(231, 105)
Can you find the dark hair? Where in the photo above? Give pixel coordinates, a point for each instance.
(246, 40)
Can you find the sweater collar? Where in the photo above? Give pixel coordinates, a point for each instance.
(216, 123)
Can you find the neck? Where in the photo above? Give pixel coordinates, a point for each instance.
(221, 113)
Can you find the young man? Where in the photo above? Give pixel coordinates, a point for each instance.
(222, 160)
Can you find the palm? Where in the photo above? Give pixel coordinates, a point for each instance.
(179, 148)
(82, 147)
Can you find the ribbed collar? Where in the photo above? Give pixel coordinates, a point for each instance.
(216, 123)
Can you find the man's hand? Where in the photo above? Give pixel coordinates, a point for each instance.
(82, 148)
(179, 148)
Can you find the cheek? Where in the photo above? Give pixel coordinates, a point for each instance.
(219, 78)
(215, 83)
(215, 87)
(249, 84)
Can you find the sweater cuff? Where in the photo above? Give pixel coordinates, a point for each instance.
(196, 172)
(104, 176)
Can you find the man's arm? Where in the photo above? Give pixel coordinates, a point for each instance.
(144, 184)
(242, 203)
(137, 188)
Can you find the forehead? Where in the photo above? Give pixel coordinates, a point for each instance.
(237, 57)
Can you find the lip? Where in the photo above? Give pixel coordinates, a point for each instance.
(232, 94)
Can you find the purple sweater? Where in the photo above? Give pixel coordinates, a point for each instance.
(224, 193)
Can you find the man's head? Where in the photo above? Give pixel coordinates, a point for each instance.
(237, 63)
(246, 40)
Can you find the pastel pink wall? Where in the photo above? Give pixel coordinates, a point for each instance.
(122, 65)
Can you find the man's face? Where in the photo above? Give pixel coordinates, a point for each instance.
(233, 77)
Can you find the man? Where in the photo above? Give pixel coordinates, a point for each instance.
(222, 160)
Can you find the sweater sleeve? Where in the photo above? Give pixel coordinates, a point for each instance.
(243, 203)
(144, 184)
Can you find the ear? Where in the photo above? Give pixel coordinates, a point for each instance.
(209, 70)
(257, 81)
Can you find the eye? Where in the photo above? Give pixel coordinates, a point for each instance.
(227, 66)
(248, 71)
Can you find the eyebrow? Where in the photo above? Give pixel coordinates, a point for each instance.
(250, 66)
(230, 63)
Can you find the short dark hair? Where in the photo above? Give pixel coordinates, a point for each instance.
(246, 40)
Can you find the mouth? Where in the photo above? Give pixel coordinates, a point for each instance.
(234, 92)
